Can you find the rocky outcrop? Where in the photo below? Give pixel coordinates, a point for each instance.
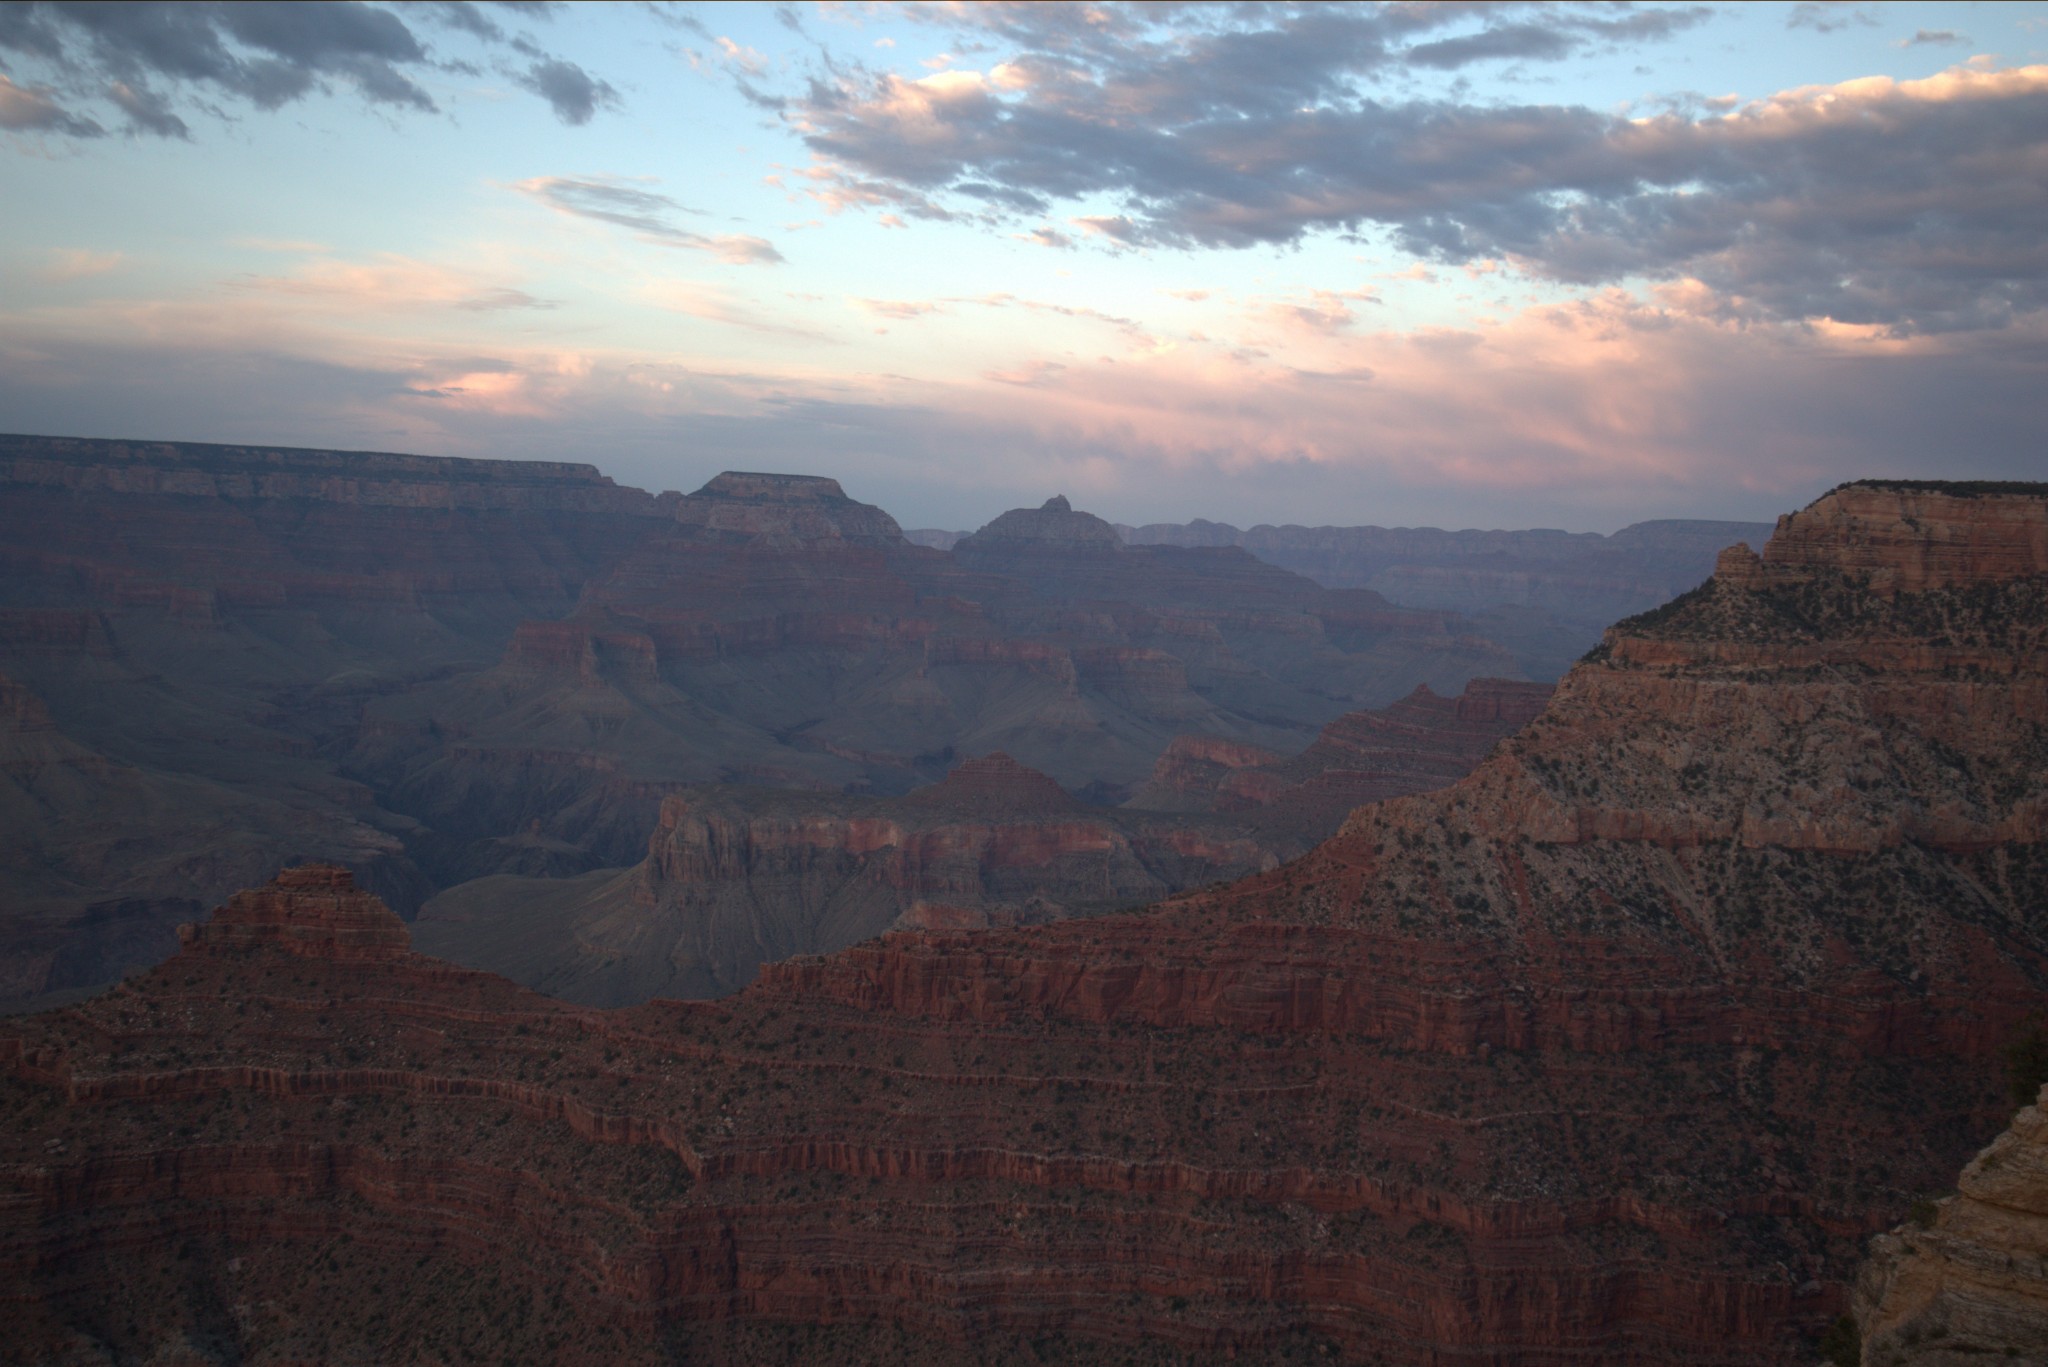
(994, 783)
(1966, 1280)
(735, 878)
(204, 625)
(315, 911)
(783, 510)
(1052, 528)
(363, 479)
(1913, 536)
(848, 662)
(1420, 743)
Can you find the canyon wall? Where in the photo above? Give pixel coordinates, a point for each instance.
(1546, 594)
(736, 877)
(433, 670)
(1616, 1050)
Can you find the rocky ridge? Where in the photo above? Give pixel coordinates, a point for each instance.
(1422, 742)
(734, 877)
(1546, 594)
(432, 670)
(1616, 1050)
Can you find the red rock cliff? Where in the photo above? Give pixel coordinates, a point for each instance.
(1614, 1051)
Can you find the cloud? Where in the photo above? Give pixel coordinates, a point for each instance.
(389, 283)
(608, 199)
(743, 57)
(1504, 42)
(897, 308)
(147, 111)
(1324, 313)
(713, 304)
(574, 94)
(1045, 236)
(1830, 16)
(149, 59)
(1591, 414)
(1916, 205)
(34, 110)
(1933, 37)
(78, 263)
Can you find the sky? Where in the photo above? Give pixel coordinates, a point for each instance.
(1456, 265)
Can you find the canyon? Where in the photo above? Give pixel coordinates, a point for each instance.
(219, 660)
(1618, 1048)
(735, 877)
(1547, 595)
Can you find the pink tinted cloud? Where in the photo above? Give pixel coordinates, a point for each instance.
(1658, 407)
(1608, 393)
(389, 282)
(67, 264)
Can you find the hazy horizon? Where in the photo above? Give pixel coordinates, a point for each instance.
(1571, 266)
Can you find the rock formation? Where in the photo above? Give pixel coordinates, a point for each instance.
(1966, 1279)
(736, 877)
(1422, 742)
(1053, 528)
(732, 650)
(1614, 1051)
(433, 670)
(1546, 594)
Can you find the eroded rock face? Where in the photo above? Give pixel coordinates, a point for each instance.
(1967, 1281)
(734, 878)
(1547, 595)
(1909, 537)
(1614, 1051)
(1420, 743)
(432, 670)
(784, 511)
(315, 911)
(1053, 527)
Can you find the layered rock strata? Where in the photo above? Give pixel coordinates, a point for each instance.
(1424, 741)
(1615, 1051)
(735, 877)
(791, 638)
(432, 670)
(1966, 1280)
(1546, 594)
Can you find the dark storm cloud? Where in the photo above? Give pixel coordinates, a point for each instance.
(144, 58)
(1916, 206)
